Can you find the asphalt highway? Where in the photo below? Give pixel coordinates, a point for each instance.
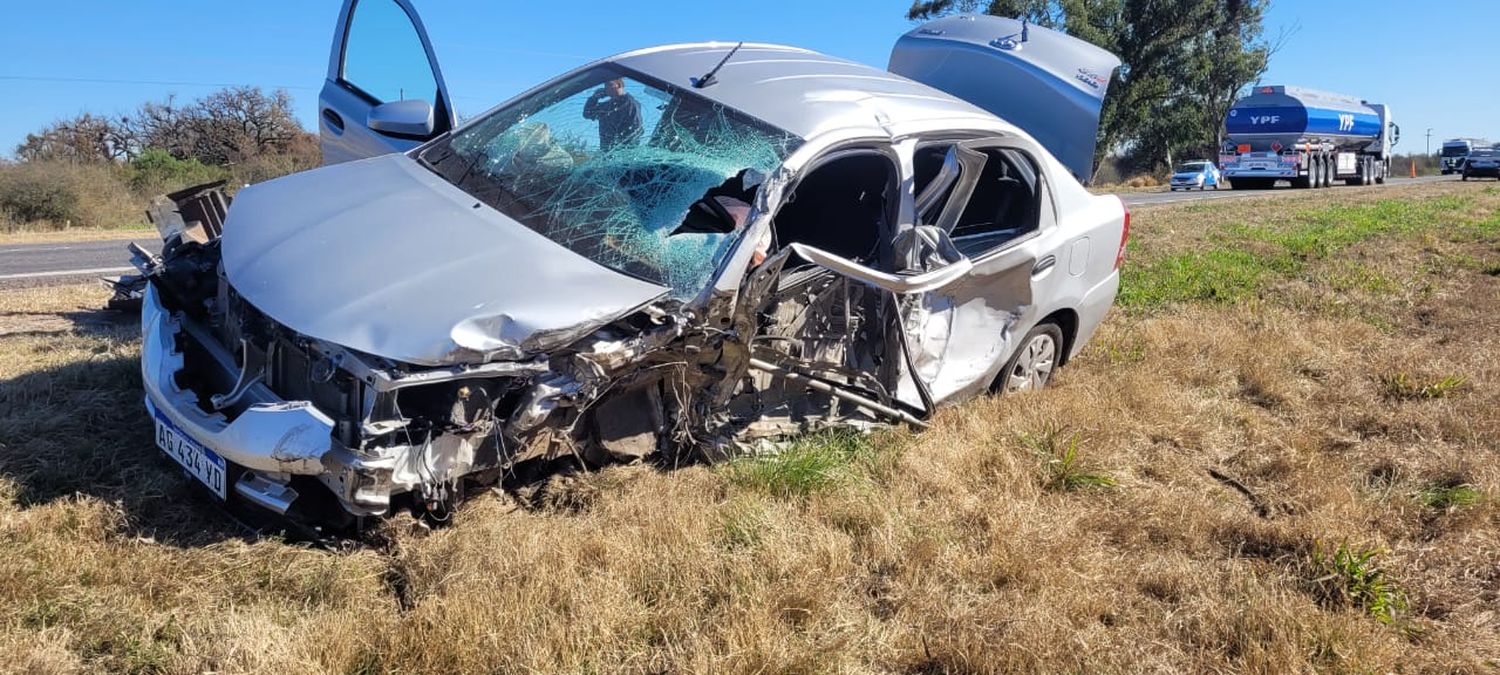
(45, 264)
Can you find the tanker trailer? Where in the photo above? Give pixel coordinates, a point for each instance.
(1308, 137)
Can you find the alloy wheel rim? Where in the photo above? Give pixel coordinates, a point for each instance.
(1034, 365)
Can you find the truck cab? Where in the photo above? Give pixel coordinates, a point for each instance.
(1454, 153)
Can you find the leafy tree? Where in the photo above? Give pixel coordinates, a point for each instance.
(1184, 62)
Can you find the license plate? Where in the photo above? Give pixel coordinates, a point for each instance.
(200, 462)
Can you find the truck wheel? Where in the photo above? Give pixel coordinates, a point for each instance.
(1303, 183)
(1328, 172)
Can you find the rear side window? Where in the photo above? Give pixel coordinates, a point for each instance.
(1006, 200)
(383, 55)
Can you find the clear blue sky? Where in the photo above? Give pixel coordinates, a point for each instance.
(62, 57)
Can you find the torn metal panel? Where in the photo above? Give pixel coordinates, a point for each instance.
(384, 257)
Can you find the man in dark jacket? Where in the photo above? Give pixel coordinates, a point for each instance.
(618, 114)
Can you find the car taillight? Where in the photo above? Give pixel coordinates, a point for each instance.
(1124, 234)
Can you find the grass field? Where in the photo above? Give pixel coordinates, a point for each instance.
(1279, 455)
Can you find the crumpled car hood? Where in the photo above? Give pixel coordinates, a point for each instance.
(385, 257)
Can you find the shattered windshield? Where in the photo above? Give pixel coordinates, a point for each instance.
(610, 165)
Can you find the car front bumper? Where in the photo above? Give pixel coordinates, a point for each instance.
(269, 440)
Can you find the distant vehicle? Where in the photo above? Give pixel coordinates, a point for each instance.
(1455, 151)
(1201, 175)
(762, 240)
(1308, 137)
(1482, 163)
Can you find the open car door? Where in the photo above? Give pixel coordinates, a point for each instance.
(384, 92)
(1050, 84)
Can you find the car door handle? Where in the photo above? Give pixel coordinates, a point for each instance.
(333, 119)
(1043, 266)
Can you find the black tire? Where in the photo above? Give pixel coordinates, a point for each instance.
(1311, 180)
(1010, 377)
(1466, 175)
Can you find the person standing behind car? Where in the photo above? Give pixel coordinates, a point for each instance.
(617, 112)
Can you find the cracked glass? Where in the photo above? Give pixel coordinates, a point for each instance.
(608, 163)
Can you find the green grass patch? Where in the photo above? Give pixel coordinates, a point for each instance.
(1350, 576)
(1444, 497)
(741, 523)
(1244, 258)
(1403, 386)
(1062, 469)
(1216, 276)
(808, 465)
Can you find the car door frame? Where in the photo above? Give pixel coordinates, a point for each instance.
(344, 108)
(964, 366)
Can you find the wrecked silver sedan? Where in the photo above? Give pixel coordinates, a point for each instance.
(680, 251)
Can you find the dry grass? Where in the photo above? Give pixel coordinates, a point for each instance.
(1221, 482)
(75, 234)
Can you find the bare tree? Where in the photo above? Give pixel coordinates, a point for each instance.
(85, 138)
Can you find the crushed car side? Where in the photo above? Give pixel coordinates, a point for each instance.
(806, 331)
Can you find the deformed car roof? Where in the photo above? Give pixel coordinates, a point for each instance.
(802, 91)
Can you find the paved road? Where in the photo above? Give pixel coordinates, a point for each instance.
(38, 264)
(67, 262)
(1167, 197)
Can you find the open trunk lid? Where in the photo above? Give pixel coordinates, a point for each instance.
(1048, 83)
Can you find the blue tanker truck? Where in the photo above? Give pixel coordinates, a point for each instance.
(1308, 137)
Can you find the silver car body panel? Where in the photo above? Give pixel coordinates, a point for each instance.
(384, 257)
(1049, 83)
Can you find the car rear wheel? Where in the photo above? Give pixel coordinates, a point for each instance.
(1032, 365)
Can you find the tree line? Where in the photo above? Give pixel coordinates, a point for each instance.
(226, 127)
(94, 170)
(1184, 63)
